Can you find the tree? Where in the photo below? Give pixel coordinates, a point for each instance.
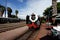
(14, 16)
(49, 10)
(16, 11)
(2, 9)
(9, 11)
(58, 7)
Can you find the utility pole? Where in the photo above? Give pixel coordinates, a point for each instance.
(5, 8)
(54, 7)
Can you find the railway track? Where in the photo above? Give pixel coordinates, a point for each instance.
(29, 35)
(10, 26)
(32, 37)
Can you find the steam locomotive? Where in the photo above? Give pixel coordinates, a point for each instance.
(33, 21)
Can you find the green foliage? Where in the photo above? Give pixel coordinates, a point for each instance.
(43, 21)
(49, 10)
(2, 9)
(13, 16)
(16, 11)
(9, 11)
(58, 7)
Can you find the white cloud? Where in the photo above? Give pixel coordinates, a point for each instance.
(36, 6)
(13, 7)
(39, 6)
(22, 16)
(58, 0)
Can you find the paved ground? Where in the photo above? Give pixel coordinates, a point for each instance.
(12, 34)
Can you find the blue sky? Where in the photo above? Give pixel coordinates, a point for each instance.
(27, 7)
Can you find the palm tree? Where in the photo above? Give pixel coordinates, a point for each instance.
(16, 11)
(2, 9)
(9, 11)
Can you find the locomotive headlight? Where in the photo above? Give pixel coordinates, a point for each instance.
(36, 18)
